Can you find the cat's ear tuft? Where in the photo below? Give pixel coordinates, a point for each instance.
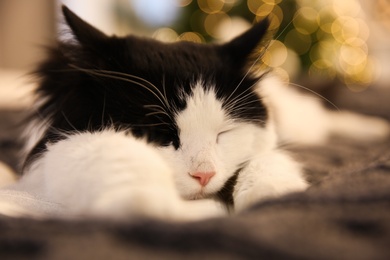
(240, 48)
(84, 32)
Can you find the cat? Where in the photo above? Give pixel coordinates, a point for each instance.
(132, 127)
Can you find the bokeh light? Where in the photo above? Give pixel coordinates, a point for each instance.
(211, 7)
(191, 37)
(318, 38)
(184, 3)
(212, 21)
(165, 35)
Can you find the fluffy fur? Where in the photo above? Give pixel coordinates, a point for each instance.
(134, 127)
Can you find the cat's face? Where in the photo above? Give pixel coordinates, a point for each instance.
(213, 144)
(195, 102)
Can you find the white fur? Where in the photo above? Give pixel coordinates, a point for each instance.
(113, 175)
(269, 171)
(270, 174)
(302, 119)
(110, 174)
(211, 141)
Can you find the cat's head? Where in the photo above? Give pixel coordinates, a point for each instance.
(196, 102)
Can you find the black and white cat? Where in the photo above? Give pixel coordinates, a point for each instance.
(130, 126)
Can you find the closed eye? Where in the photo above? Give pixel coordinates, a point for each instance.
(222, 133)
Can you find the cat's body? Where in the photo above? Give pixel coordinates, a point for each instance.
(130, 126)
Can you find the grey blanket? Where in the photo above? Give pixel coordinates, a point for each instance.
(345, 214)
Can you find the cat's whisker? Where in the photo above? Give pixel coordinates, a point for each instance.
(233, 101)
(315, 93)
(106, 73)
(243, 113)
(236, 88)
(97, 73)
(268, 46)
(68, 121)
(157, 113)
(164, 90)
(242, 110)
(155, 107)
(46, 125)
(249, 70)
(261, 54)
(232, 104)
(244, 93)
(163, 96)
(141, 79)
(104, 108)
(172, 108)
(107, 125)
(157, 110)
(149, 125)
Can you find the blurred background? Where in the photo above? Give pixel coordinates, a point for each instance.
(339, 48)
(320, 40)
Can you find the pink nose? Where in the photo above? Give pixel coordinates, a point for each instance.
(203, 177)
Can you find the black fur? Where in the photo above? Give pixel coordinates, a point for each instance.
(96, 81)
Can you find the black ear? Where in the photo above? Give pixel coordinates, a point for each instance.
(241, 47)
(84, 32)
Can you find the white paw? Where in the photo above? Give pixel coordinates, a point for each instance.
(268, 176)
(246, 198)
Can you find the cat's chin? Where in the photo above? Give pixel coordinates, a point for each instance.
(197, 197)
(202, 193)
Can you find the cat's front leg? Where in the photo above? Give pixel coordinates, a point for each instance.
(106, 174)
(267, 176)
